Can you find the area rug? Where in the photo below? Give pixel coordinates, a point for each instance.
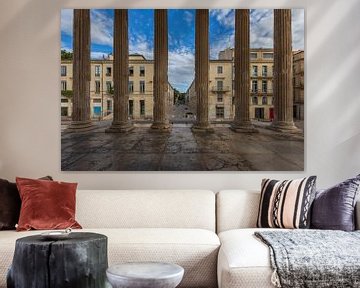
(313, 258)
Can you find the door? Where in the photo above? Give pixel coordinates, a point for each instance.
(271, 114)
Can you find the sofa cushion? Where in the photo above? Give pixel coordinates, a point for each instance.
(153, 209)
(10, 204)
(194, 249)
(286, 204)
(244, 261)
(334, 208)
(46, 204)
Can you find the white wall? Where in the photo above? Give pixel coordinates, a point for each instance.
(30, 93)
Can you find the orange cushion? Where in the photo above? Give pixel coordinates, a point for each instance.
(46, 204)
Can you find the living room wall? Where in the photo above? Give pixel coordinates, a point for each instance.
(30, 93)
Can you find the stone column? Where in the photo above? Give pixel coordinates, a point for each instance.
(242, 121)
(121, 121)
(81, 71)
(283, 85)
(202, 71)
(161, 121)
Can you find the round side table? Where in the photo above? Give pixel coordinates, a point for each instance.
(78, 261)
(145, 275)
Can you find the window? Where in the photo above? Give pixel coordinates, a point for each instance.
(63, 70)
(219, 69)
(264, 71)
(264, 86)
(108, 86)
(142, 86)
(97, 71)
(142, 107)
(142, 71)
(268, 55)
(131, 86)
(220, 85)
(253, 55)
(97, 87)
(131, 71)
(255, 100)
(63, 86)
(254, 71)
(220, 112)
(108, 71)
(264, 100)
(108, 105)
(64, 111)
(220, 97)
(254, 86)
(131, 108)
(64, 100)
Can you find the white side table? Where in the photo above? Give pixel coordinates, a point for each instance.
(145, 275)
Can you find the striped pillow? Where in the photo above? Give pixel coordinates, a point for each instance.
(286, 204)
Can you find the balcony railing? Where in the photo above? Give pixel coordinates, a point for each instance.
(259, 91)
(220, 88)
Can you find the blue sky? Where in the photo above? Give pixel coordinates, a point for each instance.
(181, 35)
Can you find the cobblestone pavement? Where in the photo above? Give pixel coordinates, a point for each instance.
(180, 150)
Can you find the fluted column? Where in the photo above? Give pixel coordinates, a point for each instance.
(81, 71)
(241, 121)
(161, 121)
(202, 70)
(121, 121)
(283, 85)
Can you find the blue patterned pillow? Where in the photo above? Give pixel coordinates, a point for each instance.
(334, 208)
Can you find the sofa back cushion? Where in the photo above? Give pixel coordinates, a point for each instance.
(146, 209)
(236, 209)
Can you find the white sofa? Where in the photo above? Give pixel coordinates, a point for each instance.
(175, 226)
(243, 261)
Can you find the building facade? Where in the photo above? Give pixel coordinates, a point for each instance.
(221, 85)
(141, 100)
(298, 84)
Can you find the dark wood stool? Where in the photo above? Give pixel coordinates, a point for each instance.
(78, 261)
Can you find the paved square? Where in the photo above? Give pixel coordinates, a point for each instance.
(180, 150)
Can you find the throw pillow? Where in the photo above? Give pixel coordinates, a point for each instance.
(46, 204)
(286, 204)
(10, 204)
(334, 208)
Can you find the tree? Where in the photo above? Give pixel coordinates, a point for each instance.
(65, 55)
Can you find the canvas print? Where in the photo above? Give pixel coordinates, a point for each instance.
(182, 89)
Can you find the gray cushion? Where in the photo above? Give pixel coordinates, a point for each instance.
(334, 208)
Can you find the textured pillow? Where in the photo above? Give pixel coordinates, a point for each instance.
(334, 208)
(46, 204)
(286, 204)
(10, 204)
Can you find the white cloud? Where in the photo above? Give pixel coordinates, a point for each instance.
(98, 55)
(221, 43)
(298, 20)
(189, 17)
(101, 28)
(181, 68)
(261, 28)
(67, 21)
(140, 44)
(224, 16)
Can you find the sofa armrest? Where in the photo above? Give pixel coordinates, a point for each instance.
(357, 215)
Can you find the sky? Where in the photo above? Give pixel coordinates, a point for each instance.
(181, 29)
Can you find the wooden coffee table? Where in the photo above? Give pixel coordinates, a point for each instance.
(145, 275)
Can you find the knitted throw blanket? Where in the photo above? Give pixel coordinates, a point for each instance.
(313, 258)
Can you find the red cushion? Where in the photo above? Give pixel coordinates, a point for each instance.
(46, 204)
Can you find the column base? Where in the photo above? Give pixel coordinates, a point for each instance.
(120, 127)
(243, 127)
(160, 127)
(202, 128)
(80, 126)
(285, 127)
